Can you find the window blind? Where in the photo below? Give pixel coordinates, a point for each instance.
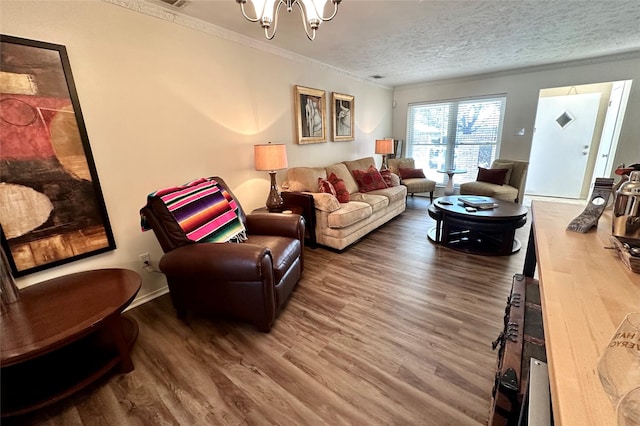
(457, 134)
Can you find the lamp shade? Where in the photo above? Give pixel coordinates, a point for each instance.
(270, 156)
(384, 146)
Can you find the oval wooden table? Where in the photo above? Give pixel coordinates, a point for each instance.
(64, 334)
(486, 232)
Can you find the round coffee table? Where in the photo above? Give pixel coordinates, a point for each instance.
(484, 231)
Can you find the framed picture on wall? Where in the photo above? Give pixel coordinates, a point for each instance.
(310, 108)
(51, 205)
(342, 117)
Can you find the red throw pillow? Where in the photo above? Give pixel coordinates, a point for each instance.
(386, 175)
(326, 186)
(410, 173)
(341, 189)
(494, 176)
(369, 180)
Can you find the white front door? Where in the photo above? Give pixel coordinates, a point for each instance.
(561, 142)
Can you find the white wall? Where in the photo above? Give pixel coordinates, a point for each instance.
(522, 90)
(164, 104)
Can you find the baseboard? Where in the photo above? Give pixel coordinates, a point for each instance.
(148, 297)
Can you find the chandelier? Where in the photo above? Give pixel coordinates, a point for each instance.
(312, 13)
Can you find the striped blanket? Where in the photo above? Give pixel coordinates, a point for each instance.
(205, 211)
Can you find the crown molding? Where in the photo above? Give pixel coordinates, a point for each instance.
(623, 56)
(175, 17)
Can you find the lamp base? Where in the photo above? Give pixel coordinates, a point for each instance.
(275, 203)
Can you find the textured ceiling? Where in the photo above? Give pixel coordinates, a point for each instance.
(414, 41)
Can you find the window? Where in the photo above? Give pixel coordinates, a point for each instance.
(461, 134)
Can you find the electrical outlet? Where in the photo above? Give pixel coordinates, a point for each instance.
(145, 259)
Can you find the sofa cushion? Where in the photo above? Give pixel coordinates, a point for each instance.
(504, 164)
(376, 201)
(304, 179)
(341, 171)
(348, 214)
(494, 176)
(395, 194)
(409, 173)
(341, 191)
(360, 164)
(369, 180)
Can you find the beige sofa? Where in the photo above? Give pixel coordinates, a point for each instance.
(513, 188)
(340, 224)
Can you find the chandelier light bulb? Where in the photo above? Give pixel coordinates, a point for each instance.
(312, 14)
(266, 13)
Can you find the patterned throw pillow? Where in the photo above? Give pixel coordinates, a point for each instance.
(369, 180)
(326, 186)
(386, 175)
(494, 176)
(410, 173)
(341, 189)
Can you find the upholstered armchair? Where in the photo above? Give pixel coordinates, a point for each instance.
(249, 280)
(413, 179)
(505, 180)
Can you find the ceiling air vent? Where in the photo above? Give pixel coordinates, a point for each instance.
(178, 4)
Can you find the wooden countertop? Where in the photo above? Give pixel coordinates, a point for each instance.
(586, 292)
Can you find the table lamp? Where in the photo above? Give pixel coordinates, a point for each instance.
(384, 147)
(271, 157)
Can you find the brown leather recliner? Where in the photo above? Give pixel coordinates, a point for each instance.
(250, 281)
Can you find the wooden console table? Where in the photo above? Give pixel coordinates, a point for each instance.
(64, 334)
(586, 291)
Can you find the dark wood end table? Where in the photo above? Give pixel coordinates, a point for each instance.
(64, 334)
(302, 204)
(485, 232)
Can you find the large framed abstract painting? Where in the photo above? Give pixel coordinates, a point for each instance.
(51, 205)
(310, 107)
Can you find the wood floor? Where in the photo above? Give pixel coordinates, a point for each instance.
(393, 331)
